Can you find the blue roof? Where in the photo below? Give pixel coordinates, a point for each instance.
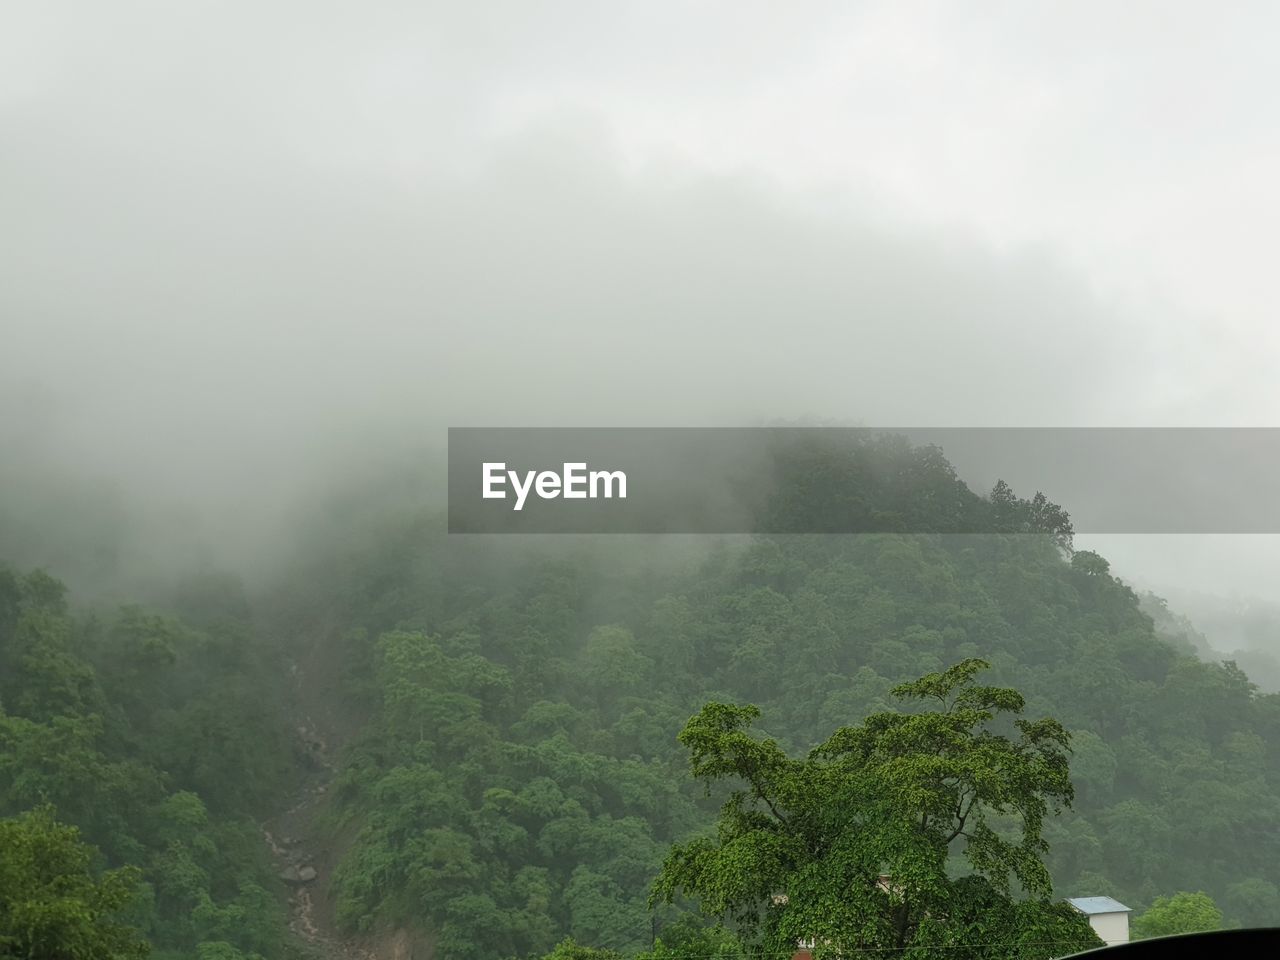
(1092, 905)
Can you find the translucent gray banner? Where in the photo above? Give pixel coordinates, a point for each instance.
(856, 480)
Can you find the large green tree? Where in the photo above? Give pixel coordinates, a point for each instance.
(52, 904)
(919, 828)
(1181, 913)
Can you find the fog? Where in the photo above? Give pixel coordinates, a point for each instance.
(251, 253)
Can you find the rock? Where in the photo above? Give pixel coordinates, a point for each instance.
(298, 875)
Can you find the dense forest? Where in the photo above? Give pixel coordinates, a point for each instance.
(489, 744)
(158, 739)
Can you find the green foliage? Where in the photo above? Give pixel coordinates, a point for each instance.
(1254, 902)
(524, 705)
(690, 937)
(516, 778)
(852, 845)
(1180, 913)
(879, 483)
(483, 818)
(53, 904)
(156, 746)
(568, 949)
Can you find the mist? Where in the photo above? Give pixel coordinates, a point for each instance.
(255, 255)
(259, 261)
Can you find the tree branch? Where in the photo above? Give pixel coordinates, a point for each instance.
(962, 813)
(751, 778)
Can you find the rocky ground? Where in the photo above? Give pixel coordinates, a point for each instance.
(297, 847)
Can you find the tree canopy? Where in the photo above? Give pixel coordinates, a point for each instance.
(852, 846)
(151, 743)
(512, 776)
(53, 904)
(1180, 913)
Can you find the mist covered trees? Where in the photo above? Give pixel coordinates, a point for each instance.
(576, 669)
(494, 821)
(54, 905)
(516, 779)
(133, 750)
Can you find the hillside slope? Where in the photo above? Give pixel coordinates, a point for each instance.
(498, 719)
(519, 777)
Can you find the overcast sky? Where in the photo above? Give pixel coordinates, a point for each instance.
(233, 234)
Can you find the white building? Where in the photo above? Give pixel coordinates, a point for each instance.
(1109, 918)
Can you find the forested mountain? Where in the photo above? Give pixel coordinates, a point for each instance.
(1244, 631)
(537, 711)
(159, 740)
(509, 711)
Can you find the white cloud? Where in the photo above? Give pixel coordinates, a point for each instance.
(232, 228)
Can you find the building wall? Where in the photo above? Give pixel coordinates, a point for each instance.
(1113, 928)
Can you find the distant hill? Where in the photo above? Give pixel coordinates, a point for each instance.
(524, 706)
(501, 713)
